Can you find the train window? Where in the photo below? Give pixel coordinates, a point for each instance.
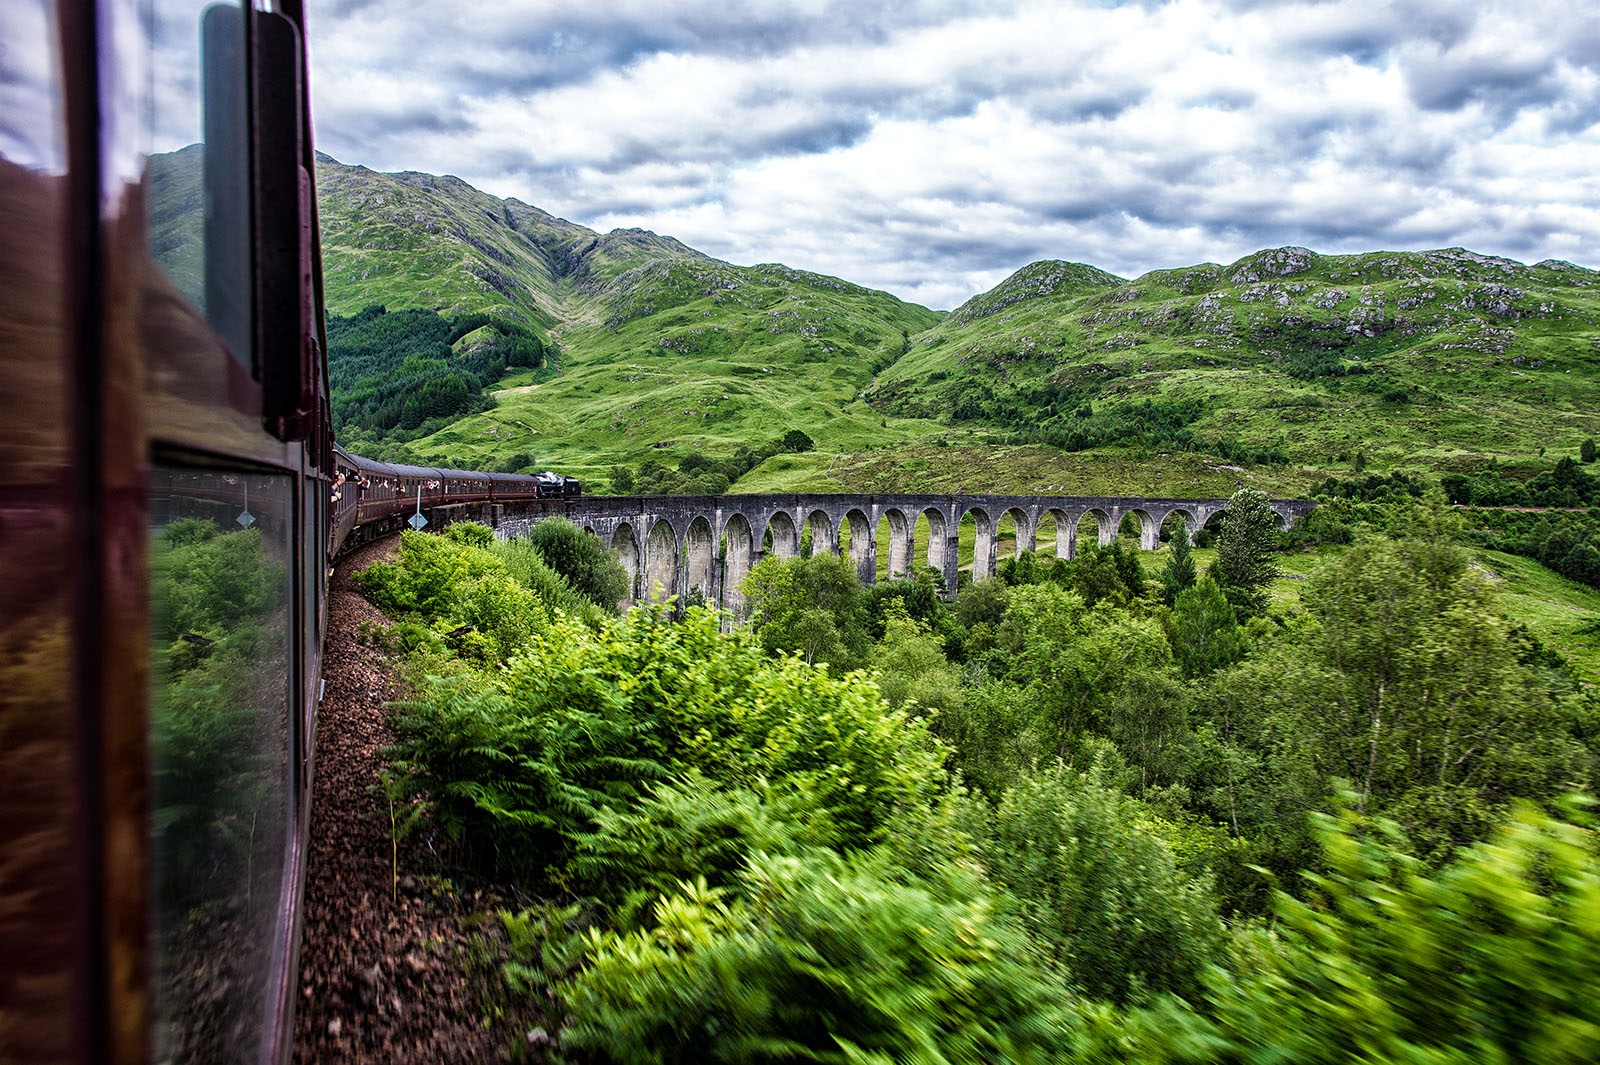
(199, 165)
(221, 598)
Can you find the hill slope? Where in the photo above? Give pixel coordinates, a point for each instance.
(1276, 370)
(1436, 360)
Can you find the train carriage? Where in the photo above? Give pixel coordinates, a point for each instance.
(170, 497)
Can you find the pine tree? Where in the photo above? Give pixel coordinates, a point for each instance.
(1179, 572)
(1245, 565)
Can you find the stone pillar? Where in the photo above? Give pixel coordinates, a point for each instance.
(952, 558)
(902, 549)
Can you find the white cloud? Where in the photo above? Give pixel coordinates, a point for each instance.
(931, 148)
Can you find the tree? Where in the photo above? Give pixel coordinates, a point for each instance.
(795, 440)
(1204, 635)
(580, 557)
(1245, 565)
(1073, 661)
(813, 606)
(1407, 683)
(1586, 451)
(1179, 572)
(621, 479)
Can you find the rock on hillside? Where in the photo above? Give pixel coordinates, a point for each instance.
(1468, 343)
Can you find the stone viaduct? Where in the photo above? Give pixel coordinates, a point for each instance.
(676, 545)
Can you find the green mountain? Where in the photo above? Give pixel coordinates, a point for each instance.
(1432, 359)
(651, 348)
(604, 349)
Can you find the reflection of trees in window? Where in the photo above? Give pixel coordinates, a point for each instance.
(219, 770)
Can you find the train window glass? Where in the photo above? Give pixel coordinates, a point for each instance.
(199, 165)
(221, 582)
(30, 88)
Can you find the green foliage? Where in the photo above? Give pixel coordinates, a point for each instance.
(1405, 682)
(588, 566)
(1071, 661)
(1587, 450)
(524, 762)
(397, 369)
(1568, 544)
(797, 440)
(1179, 572)
(1099, 893)
(214, 597)
(1201, 627)
(688, 828)
(912, 668)
(1489, 959)
(1245, 565)
(813, 606)
(465, 595)
(829, 960)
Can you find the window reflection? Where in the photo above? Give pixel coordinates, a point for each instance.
(221, 658)
(199, 178)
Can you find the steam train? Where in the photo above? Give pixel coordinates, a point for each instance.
(170, 498)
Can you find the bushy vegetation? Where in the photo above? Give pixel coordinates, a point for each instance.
(399, 370)
(1064, 816)
(217, 736)
(699, 474)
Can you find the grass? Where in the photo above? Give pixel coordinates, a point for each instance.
(664, 351)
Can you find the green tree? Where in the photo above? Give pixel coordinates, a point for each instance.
(812, 606)
(1586, 451)
(796, 440)
(1405, 682)
(1073, 661)
(1202, 629)
(1179, 572)
(580, 557)
(1245, 565)
(1099, 893)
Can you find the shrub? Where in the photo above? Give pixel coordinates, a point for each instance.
(831, 960)
(1102, 895)
(586, 563)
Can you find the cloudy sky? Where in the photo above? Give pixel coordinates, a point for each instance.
(931, 147)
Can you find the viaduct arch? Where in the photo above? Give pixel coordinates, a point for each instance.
(675, 545)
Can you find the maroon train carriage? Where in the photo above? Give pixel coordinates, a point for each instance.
(170, 495)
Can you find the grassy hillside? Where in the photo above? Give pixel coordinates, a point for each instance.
(1274, 371)
(1434, 360)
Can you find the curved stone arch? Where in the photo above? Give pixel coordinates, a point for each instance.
(1149, 527)
(740, 550)
(700, 560)
(1024, 524)
(1066, 530)
(1107, 530)
(983, 543)
(661, 562)
(1189, 520)
(941, 554)
(625, 542)
(785, 534)
(821, 520)
(1279, 520)
(863, 544)
(1213, 520)
(901, 548)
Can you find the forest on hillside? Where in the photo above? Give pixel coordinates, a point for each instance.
(1084, 811)
(397, 375)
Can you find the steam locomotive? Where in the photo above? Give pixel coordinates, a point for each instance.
(170, 498)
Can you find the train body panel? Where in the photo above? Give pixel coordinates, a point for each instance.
(170, 499)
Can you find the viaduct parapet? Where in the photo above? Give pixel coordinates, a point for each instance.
(679, 545)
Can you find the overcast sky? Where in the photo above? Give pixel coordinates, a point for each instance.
(931, 147)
